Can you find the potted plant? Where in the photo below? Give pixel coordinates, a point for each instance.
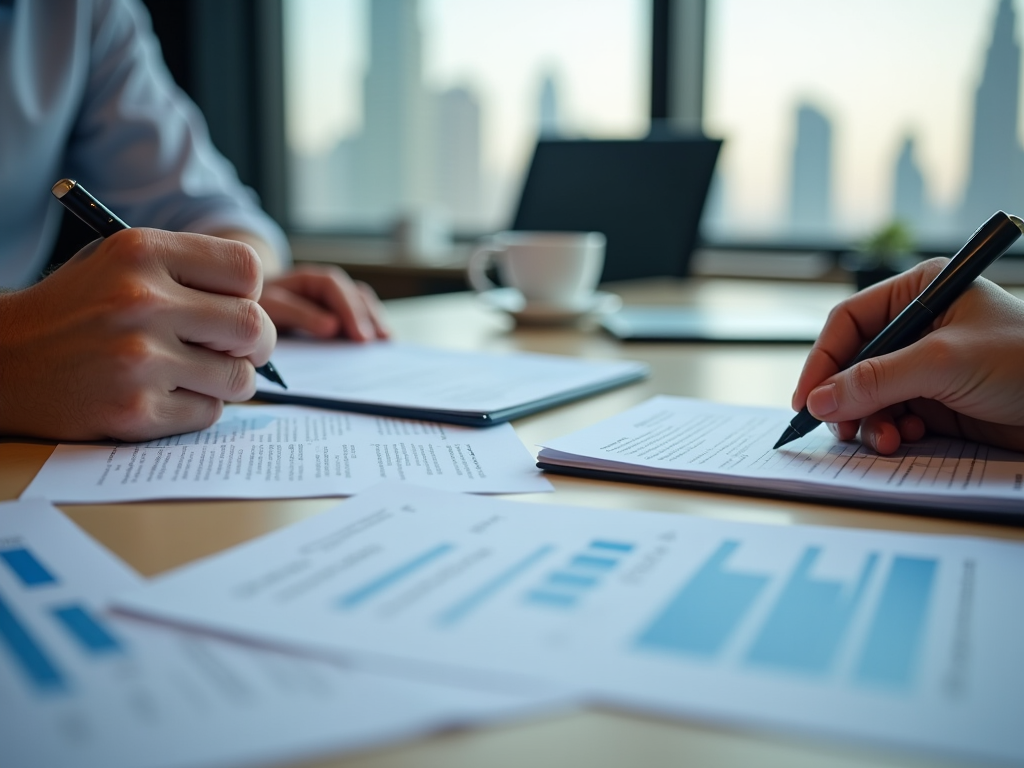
(885, 253)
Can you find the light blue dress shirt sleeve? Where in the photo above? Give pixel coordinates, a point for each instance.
(84, 93)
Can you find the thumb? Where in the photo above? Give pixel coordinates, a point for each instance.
(872, 385)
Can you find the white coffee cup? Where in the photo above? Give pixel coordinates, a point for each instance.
(556, 269)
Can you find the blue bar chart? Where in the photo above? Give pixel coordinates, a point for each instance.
(26, 567)
(897, 629)
(465, 606)
(361, 594)
(703, 615)
(28, 654)
(87, 631)
(809, 620)
(584, 571)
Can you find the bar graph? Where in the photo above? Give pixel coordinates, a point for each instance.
(27, 567)
(810, 619)
(27, 654)
(360, 595)
(583, 572)
(87, 631)
(703, 615)
(594, 562)
(465, 606)
(897, 630)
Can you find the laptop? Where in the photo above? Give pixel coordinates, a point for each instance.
(645, 195)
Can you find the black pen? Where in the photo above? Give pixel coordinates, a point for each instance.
(986, 245)
(103, 222)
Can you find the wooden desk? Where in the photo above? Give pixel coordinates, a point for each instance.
(153, 537)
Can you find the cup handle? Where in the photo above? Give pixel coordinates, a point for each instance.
(477, 268)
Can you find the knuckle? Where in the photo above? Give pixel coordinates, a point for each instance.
(241, 380)
(930, 268)
(135, 297)
(249, 322)
(246, 265)
(865, 380)
(132, 356)
(133, 420)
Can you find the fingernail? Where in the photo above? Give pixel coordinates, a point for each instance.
(822, 401)
(833, 428)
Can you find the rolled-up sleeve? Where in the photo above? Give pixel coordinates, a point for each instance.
(141, 145)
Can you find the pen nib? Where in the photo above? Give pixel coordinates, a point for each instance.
(787, 437)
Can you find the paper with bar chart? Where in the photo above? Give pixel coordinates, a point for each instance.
(702, 444)
(288, 451)
(900, 638)
(79, 687)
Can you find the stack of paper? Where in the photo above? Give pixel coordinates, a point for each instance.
(79, 687)
(726, 447)
(903, 639)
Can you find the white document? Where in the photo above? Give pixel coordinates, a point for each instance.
(696, 442)
(442, 384)
(82, 688)
(908, 639)
(287, 451)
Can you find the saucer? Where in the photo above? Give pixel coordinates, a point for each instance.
(538, 313)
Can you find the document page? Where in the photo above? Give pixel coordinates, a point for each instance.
(410, 376)
(287, 451)
(730, 446)
(80, 687)
(898, 638)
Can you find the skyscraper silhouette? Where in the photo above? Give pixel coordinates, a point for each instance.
(996, 176)
(810, 207)
(391, 166)
(457, 173)
(548, 118)
(909, 203)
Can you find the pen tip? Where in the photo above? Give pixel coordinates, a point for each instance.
(787, 437)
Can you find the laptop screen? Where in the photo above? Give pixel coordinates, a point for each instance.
(646, 196)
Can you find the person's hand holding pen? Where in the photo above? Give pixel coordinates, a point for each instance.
(964, 377)
(140, 335)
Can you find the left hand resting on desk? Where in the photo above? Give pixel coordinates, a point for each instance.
(324, 302)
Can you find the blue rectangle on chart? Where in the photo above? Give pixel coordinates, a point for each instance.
(704, 613)
(27, 653)
(611, 546)
(552, 599)
(809, 620)
(26, 567)
(354, 598)
(594, 562)
(87, 631)
(576, 580)
(474, 599)
(890, 651)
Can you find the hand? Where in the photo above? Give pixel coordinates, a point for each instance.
(964, 378)
(138, 336)
(324, 302)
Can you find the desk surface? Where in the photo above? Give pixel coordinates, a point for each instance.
(154, 537)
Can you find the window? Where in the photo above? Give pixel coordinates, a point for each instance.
(840, 117)
(405, 107)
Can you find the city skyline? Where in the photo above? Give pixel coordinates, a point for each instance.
(756, 194)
